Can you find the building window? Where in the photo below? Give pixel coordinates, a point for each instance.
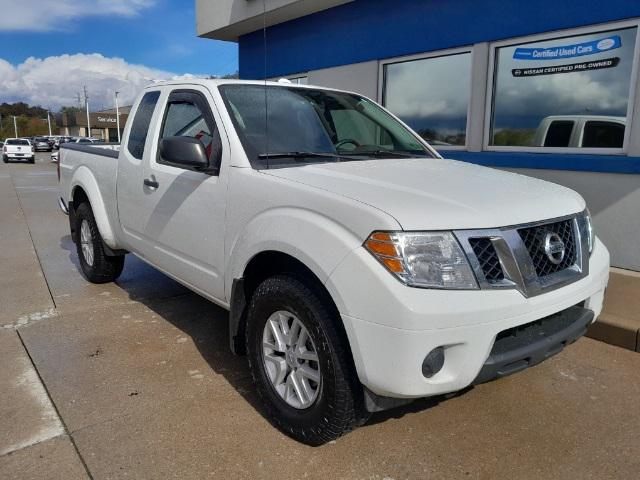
(431, 95)
(568, 92)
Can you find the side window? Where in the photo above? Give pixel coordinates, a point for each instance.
(188, 115)
(140, 125)
(558, 134)
(598, 134)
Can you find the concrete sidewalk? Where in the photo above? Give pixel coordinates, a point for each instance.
(135, 380)
(33, 440)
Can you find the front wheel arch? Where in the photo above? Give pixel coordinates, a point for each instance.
(262, 266)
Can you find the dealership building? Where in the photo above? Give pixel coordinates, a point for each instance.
(545, 88)
(103, 124)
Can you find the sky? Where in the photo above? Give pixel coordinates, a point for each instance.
(49, 49)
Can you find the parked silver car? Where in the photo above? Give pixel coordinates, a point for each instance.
(41, 144)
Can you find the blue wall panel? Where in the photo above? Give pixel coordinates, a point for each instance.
(372, 29)
(550, 161)
(375, 29)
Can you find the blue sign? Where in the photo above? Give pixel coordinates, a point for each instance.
(569, 51)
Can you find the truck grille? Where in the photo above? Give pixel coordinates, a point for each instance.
(515, 256)
(533, 238)
(488, 259)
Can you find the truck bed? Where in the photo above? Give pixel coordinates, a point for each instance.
(95, 167)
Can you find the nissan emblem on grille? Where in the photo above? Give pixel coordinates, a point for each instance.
(554, 248)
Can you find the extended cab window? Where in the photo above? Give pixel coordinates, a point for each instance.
(140, 126)
(188, 115)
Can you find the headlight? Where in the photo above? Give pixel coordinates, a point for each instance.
(591, 236)
(423, 259)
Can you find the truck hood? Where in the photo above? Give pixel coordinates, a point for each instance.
(440, 194)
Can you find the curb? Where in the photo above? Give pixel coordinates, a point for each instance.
(619, 322)
(615, 331)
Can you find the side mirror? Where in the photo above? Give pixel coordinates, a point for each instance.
(185, 152)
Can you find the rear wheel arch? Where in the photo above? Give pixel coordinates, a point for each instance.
(78, 197)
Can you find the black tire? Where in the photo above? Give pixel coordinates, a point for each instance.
(104, 268)
(32, 160)
(336, 409)
(5, 159)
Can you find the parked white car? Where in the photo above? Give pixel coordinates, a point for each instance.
(18, 149)
(88, 140)
(361, 270)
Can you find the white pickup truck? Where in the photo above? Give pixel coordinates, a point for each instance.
(361, 270)
(18, 149)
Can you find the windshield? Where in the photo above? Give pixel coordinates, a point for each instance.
(17, 142)
(310, 125)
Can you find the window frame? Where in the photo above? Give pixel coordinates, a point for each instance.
(609, 27)
(200, 101)
(382, 84)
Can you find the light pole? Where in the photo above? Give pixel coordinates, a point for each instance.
(117, 117)
(49, 122)
(15, 126)
(86, 102)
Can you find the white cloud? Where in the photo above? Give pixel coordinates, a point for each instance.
(56, 81)
(43, 15)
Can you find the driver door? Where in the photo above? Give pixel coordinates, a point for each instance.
(184, 210)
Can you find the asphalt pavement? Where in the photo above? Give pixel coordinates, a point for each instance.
(135, 380)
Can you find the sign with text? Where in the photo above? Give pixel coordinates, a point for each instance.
(568, 51)
(573, 67)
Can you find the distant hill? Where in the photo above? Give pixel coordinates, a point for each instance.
(22, 109)
(30, 120)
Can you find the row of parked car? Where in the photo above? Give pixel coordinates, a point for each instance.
(25, 148)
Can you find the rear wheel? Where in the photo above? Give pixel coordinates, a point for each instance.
(96, 265)
(32, 159)
(5, 159)
(300, 362)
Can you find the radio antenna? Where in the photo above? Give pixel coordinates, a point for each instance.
(266, 111)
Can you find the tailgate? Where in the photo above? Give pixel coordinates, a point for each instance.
(17, 149)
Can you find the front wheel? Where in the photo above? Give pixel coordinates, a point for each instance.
(96, 265)
(300, 362)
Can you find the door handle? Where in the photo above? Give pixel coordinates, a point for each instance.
(151, 183)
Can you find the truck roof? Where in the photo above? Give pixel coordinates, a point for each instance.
(215, 82)
(586, 117)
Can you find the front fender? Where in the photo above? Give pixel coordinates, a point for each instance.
(314, 239)
(84, 178)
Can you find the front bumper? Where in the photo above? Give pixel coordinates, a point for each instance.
(392, 327)
(525, 346)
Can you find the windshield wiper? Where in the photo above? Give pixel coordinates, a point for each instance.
(299, 155)
(383, 153)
